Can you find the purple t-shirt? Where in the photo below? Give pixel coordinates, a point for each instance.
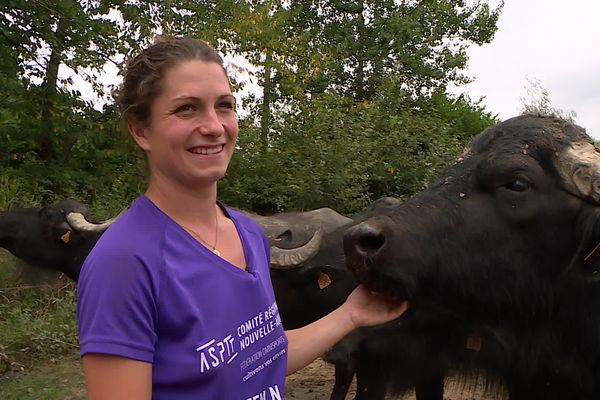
(150, 292)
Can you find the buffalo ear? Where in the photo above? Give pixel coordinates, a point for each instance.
(587, 257)
(329, 275)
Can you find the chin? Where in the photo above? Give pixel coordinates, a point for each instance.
(209, 178)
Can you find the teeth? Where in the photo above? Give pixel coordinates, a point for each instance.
(207, 150)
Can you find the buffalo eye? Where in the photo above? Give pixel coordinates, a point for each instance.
(518, 185)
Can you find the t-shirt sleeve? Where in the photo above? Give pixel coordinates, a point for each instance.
(117, 304)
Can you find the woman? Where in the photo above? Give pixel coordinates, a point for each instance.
(175, 300)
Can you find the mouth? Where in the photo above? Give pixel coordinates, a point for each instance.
(382, 284)
(207, 150)
(391, 291)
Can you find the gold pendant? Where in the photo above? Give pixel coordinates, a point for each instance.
(217, 252)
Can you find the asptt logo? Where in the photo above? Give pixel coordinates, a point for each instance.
(215, 353)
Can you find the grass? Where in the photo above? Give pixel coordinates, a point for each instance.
(58, 378)
(38, 336)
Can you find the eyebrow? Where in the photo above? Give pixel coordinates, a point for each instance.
(195, 98)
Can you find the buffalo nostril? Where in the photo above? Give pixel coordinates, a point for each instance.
(366, 239)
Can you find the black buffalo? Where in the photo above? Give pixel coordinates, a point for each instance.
(505, 245)
(421, 364)
(307, 270)
(56, 237)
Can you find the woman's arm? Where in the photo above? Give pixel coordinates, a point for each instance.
(362, 308)
(109, 377)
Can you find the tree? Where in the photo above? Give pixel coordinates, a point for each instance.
(354, 103)
(347, 47)
(305, 48)
(340, 153)
(46, 126)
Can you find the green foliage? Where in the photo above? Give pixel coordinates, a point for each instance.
(36, 323)
(354, 104)
(57, 145)
(343, 154)
(309, 162)
(350, 48)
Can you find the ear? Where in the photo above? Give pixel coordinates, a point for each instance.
(138, 131)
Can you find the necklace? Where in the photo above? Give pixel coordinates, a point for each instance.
(212, 247)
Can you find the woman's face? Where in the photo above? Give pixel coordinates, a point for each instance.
(193, 126)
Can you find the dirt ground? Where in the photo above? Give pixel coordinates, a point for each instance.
(316, 381)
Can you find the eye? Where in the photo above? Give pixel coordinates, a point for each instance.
(227, 104)
(518, 184)
(185, 109)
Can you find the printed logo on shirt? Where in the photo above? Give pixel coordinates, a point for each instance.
(259, 326)
(215, 353)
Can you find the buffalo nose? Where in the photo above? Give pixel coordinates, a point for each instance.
(364, 240)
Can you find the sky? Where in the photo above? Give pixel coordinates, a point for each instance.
(554, 42)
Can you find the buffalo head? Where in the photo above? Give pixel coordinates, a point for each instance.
(505, 242)
(307, 266)
(56, 237)
(502, 222)
(309, 276)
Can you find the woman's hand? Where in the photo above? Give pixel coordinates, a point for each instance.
(362, 308)
(366, 308)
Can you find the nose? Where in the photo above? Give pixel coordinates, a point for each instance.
(363, 241)
(209, 123)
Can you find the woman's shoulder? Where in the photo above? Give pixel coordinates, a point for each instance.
(135, 238)
(243, 220)
(142, 223)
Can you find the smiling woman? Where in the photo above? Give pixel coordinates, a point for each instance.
(162, 293)
(191, 133)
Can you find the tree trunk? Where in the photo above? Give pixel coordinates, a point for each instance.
(47, 149)
(359, 82)
(265, 120)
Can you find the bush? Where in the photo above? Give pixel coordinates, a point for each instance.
(37, 323)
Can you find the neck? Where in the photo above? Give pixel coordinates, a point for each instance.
(192, 208)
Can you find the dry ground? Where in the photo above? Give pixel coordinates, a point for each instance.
(316, 381)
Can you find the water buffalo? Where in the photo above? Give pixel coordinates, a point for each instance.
(421, 364)
(306, 290)
(505, 244)
(59, 236)
(56, 237)
(309, 276)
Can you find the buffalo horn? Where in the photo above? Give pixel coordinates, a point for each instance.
(580, 170)
(293, 258)
(79, 223)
